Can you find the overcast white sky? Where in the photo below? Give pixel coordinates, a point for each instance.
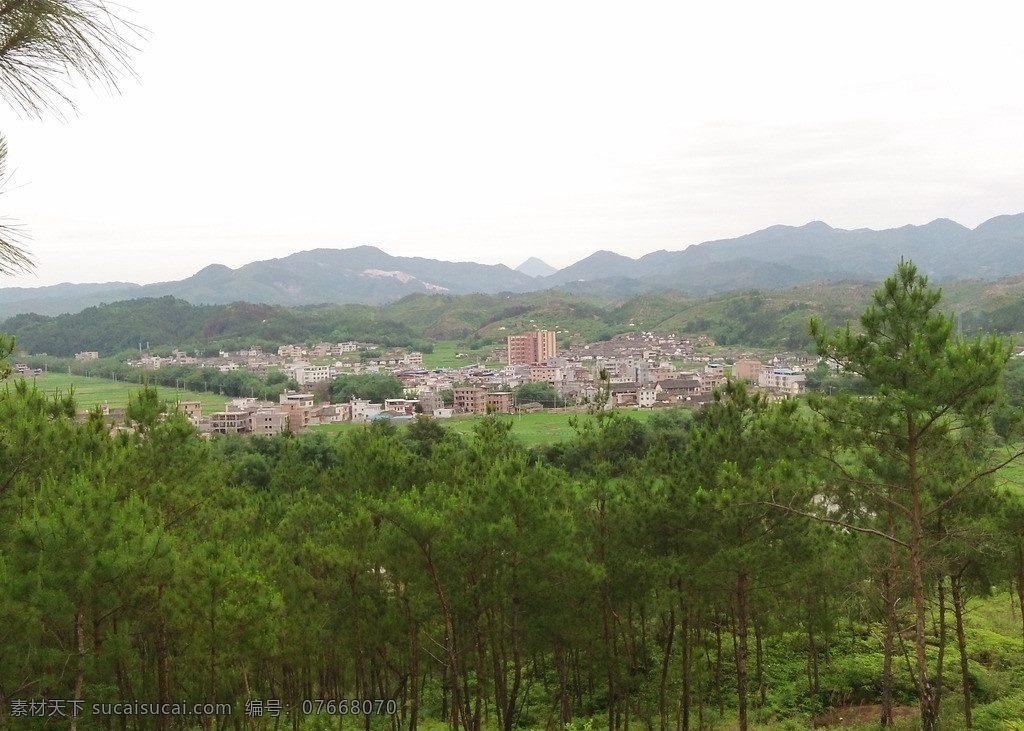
(493, 132)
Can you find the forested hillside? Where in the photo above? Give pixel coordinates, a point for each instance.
(754, 318)
(764, 562)
(173, 323)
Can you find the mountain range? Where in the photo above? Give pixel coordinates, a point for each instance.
(776, 257)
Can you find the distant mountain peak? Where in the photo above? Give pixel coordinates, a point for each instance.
(534, 267)
(776, 257)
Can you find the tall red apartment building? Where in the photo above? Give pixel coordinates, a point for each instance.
(531, 348)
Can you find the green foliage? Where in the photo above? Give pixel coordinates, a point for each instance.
(145, 409)
(166, 321)
(754, 318)
(7, 345)
(640, 568)
(914, 451)
(372, 386)
(542, 393)
(1004, 714)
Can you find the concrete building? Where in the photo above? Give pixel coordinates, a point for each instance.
(308, 374)
(193, 410)
(530, 348)
(501, 402)
(363, 410)
(781, 380)
(290, 351)
(332, 413)
(230, 422)
(298, 410)
(401, 405)
(430, 401)
(295, 400)
(746, 370)
(268, 422)
(469, 400)
(545, 374)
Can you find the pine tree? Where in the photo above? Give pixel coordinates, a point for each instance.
(915, 447)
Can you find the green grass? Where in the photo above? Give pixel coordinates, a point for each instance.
(531, 430)
(445, 352)
(91, 392)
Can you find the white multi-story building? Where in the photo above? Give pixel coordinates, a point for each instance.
(307, 375)
(781, 380)
(363, 410)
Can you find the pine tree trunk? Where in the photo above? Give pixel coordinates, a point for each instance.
(718, 665)
(163, 681)
(762, 687)
(669, 624)
(689, 642)
(925, 692)
(940, 664)
(889, 584)
(564, 697)
(742, 681)
(961, 643)
(80, 662)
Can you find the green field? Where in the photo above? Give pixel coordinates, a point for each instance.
(544, 427)
(91, 392)
(445, 352)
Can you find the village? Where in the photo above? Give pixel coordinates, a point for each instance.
(637, 370)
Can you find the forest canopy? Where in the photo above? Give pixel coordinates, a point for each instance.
(726, 568)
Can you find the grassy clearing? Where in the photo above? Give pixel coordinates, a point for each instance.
(91, 392)
(546, 427)
(445, 352)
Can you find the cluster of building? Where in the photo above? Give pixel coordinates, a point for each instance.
(295, 412)
(637, 370)
(253, 359)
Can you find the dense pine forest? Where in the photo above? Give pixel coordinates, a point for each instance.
(759, 563)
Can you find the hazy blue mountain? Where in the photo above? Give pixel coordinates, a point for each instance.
(59, 298)
(363, 274)
(781, 256)
(778, 256)
(598, 265)
(534, 267)
(17, 294)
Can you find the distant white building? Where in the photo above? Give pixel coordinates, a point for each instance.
(307, 375)
(782, 380)
(363, 410)
(290, 351)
